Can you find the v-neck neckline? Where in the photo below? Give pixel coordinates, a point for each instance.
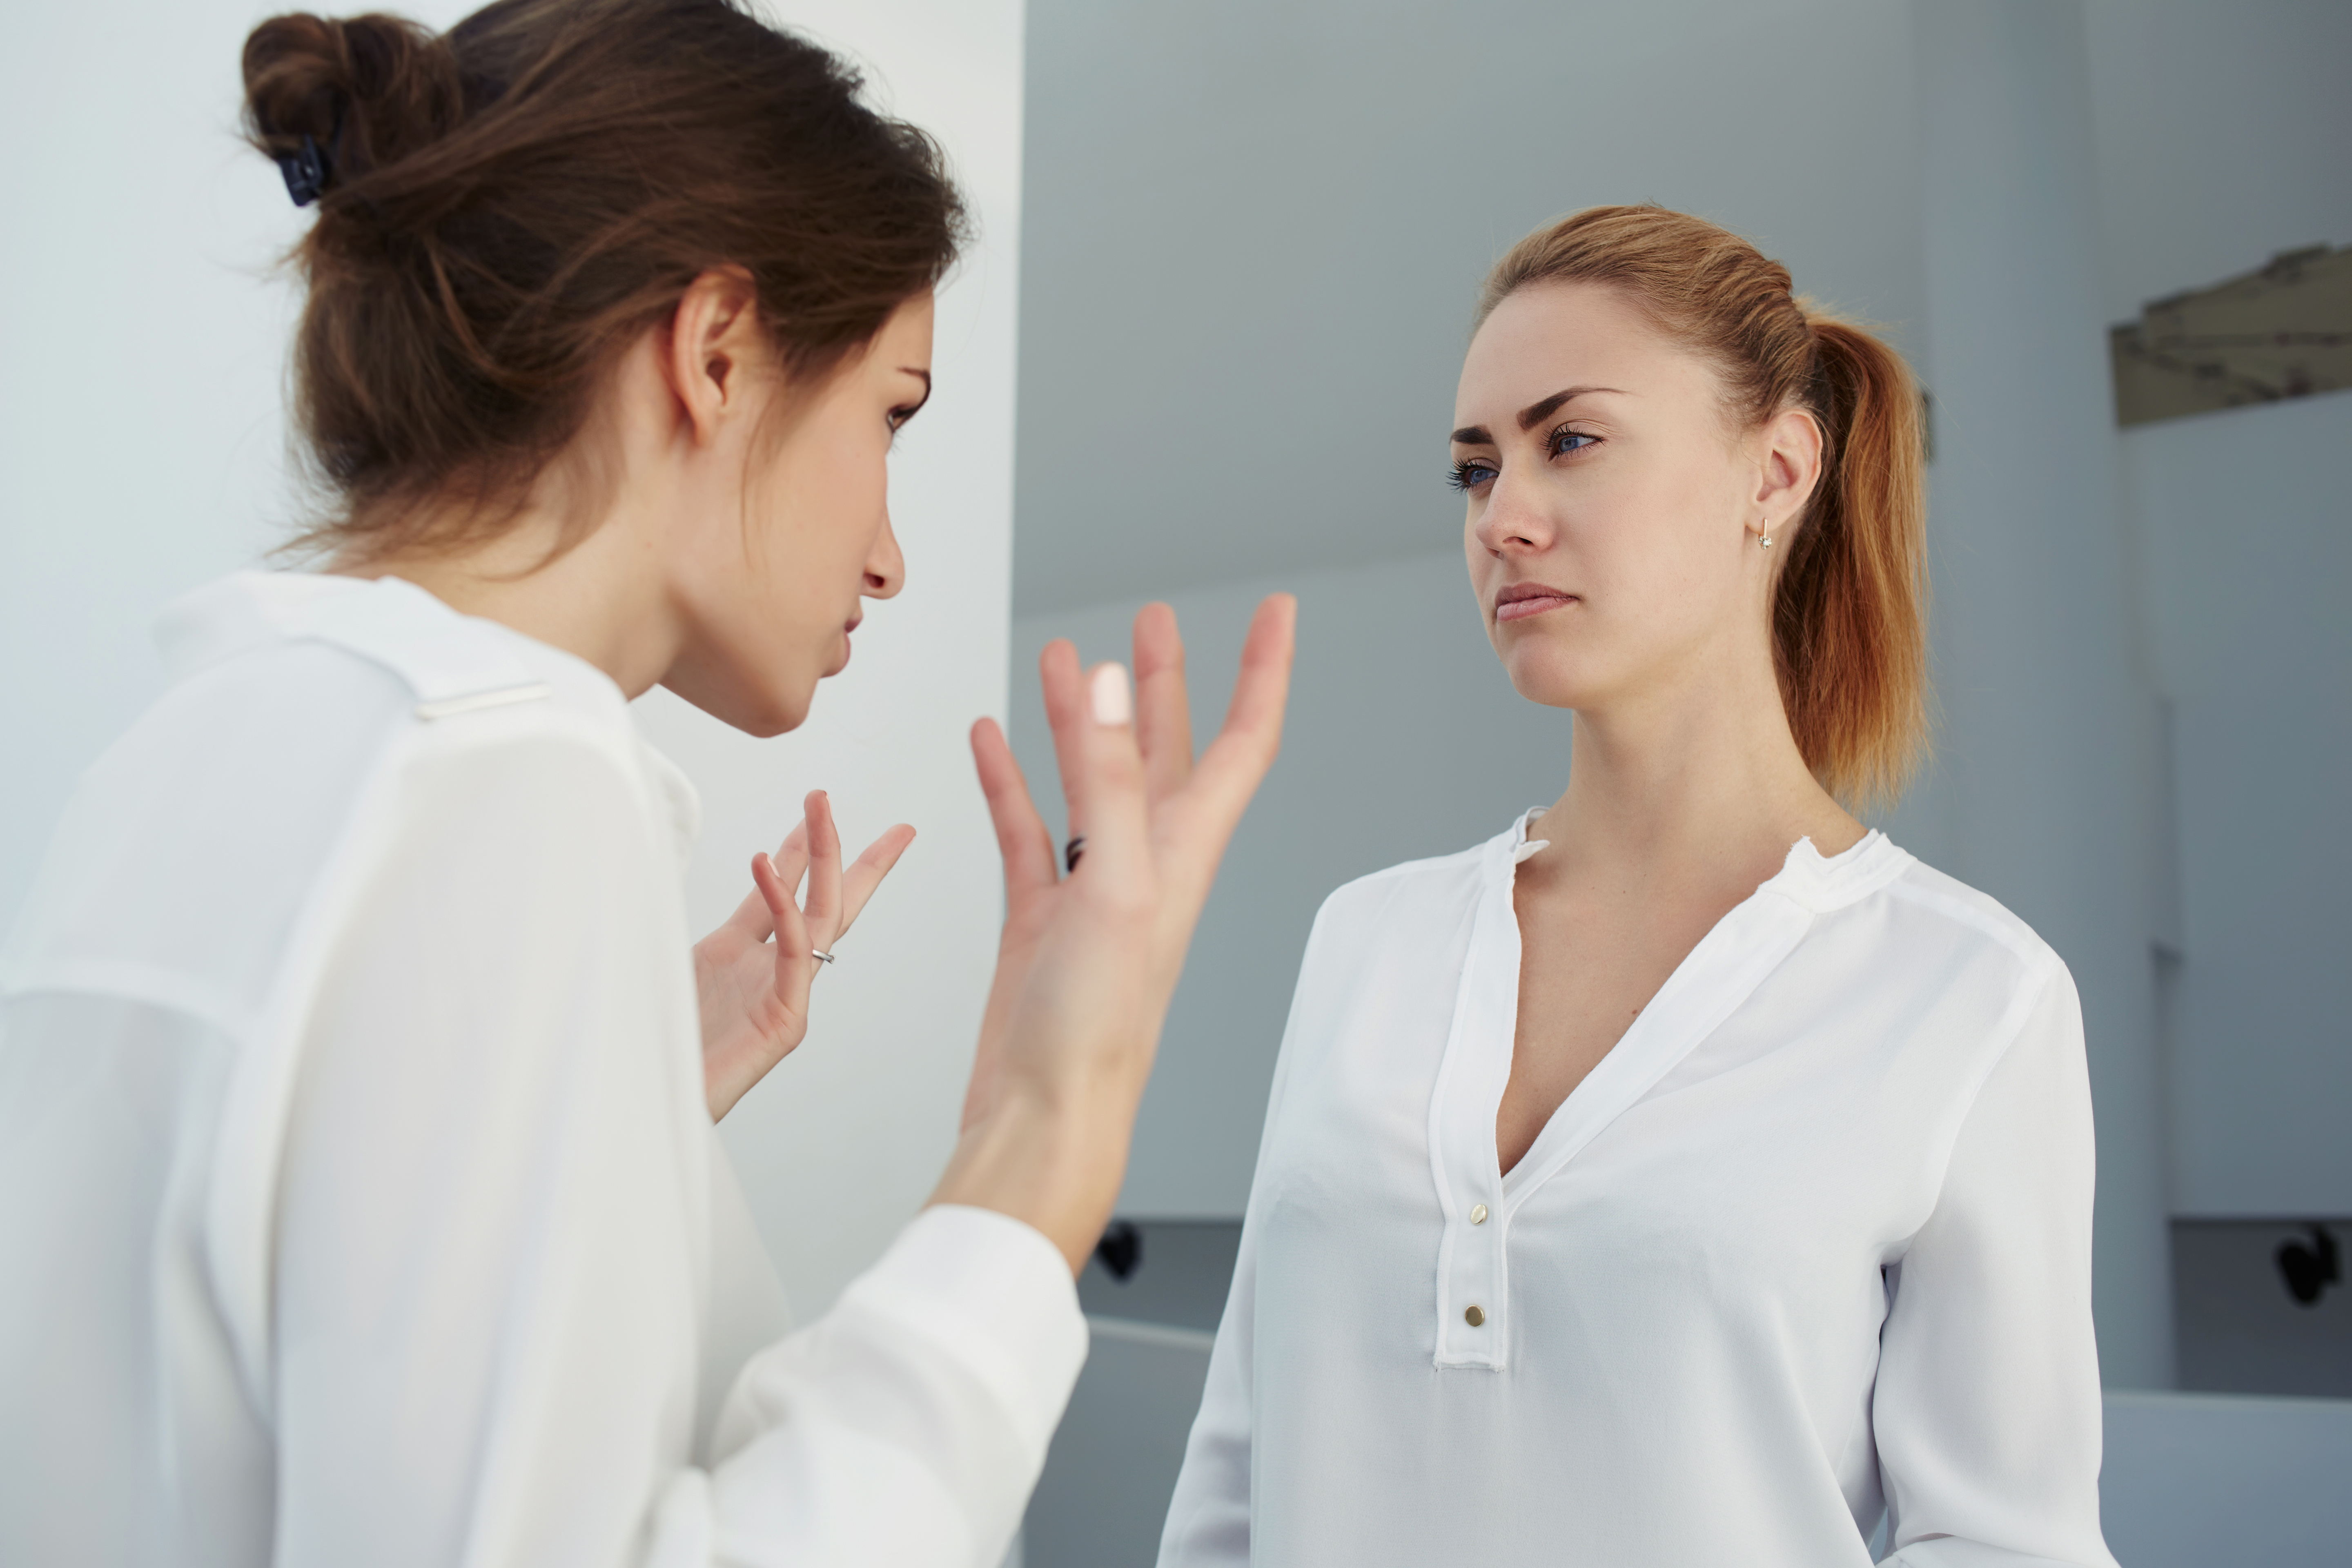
(1719, 973)
(1475, 1201)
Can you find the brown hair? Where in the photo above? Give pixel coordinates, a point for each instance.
(1850, 605)
(508, 205)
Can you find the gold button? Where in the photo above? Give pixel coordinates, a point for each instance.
(1477, 1214)
(1474, 1316)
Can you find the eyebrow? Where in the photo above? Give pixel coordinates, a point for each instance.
(1531, 417)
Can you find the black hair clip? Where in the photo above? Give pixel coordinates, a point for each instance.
(304, 172)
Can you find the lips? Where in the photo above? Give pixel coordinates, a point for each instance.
(1520, 600)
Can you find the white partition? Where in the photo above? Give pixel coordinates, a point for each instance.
(842, 1143)
(2245, 544)
(142, 442)
(2198, 1480)
(2191, 1480)
(2042, 793)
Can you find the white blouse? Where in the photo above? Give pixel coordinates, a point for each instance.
(359, 1202)
(1814, 1238)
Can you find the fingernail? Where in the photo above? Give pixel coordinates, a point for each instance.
(1112, 704)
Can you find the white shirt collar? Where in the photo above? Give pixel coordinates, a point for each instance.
(1807, 877)
(445, 657)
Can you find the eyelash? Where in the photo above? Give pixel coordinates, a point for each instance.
(1463, 475)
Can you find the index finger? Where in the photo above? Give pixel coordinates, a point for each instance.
(822, 908)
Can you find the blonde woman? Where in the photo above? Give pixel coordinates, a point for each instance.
(1687, 1175)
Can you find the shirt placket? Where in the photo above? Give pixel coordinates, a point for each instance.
(1473, 1327)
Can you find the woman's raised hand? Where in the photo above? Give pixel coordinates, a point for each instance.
(754, 992)
(1088, 962)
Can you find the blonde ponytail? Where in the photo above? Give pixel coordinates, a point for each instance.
(1850, 613)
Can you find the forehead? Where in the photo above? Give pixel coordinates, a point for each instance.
(1551, 336)
(908, 330)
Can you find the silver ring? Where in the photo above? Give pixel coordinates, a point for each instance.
(820, 957)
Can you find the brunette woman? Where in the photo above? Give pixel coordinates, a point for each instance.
(359, 1199)
(1687, 1175)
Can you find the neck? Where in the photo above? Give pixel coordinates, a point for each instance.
(1698, 778)
(602, 601)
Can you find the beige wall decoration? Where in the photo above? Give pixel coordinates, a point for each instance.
(2282, 330)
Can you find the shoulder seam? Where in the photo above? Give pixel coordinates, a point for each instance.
(1401, 868)
(2013, 933)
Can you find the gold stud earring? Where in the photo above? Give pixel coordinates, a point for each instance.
(1765, 540)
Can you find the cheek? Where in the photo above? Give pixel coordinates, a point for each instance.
(856, 490)
(824, 502)
(1649, 556)
(1665, 548)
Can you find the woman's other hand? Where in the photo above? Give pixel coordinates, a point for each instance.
(753, 991)
(1088, 962)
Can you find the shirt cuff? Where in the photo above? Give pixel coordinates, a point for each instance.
(996, 1294)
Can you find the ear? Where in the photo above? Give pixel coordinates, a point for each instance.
(1791, 469)
(716, 348)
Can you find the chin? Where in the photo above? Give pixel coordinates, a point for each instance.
(767, 727)
(779, 714)
(760, 709)
(1550, 676)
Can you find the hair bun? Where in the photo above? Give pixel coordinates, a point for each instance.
(366, 91)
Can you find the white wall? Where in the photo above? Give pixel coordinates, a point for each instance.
(2221, 133)
(843, 1142)
(142, 453)
(2043, 794)
(1255, 229)
(141, 447)
(2245, 524)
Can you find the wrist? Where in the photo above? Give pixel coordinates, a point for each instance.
(1054, 1164)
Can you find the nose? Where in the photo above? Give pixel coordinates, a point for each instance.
(886, 566)
(1513, 521)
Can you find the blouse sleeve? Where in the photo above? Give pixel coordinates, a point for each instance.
(1988, 1408)
(486, 1310)
(1209, 1516)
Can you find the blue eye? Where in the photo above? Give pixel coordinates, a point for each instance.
(1468, 476)
(1562, 442)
